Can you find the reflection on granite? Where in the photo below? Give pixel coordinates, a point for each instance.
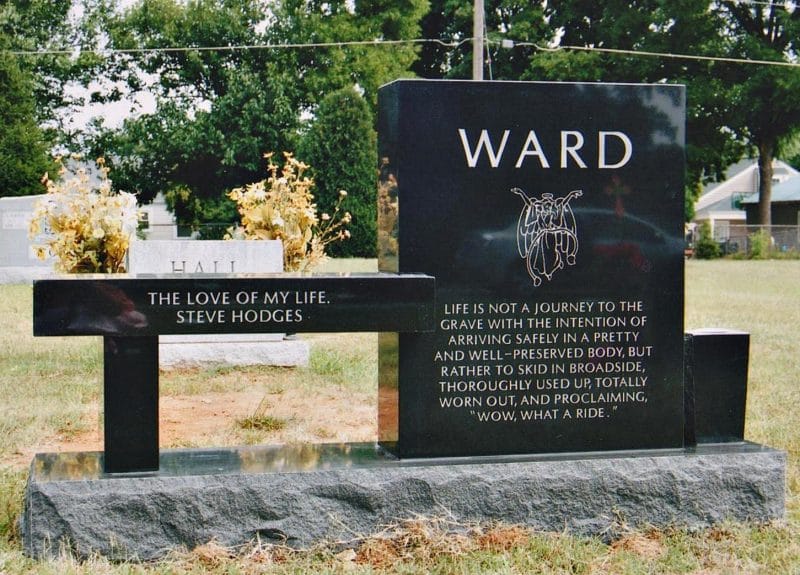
(184, 462)
(82, 466)
(63, 466)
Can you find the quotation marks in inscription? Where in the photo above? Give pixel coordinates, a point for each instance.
(547, 237)
(510, 362)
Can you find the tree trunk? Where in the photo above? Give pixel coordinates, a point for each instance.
(766, 151)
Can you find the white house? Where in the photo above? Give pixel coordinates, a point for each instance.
(720, 203)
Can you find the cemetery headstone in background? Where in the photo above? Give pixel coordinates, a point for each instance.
(166, 257)
(159, 222)
(552, 218)
(18, 261)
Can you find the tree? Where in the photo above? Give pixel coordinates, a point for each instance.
(731, 106)
(765, 106)
(24, 157)
(53, 41)
(686, 27)
(218, 110)
(652, 25)
(450, 21)
(322, 70)
(27, 94)
(220, 107)
(341, 149)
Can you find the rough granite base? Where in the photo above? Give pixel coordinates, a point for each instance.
(307, 494)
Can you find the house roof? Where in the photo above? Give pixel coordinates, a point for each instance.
(786, 191)
(742, 181)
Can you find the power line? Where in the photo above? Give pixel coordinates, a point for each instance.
(784, 5)
(453, 44)
(645, 53)
(238, 47)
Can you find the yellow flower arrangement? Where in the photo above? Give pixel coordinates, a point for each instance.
(84, 225)
(282, 208)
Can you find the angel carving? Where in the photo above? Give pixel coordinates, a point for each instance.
(546, 234)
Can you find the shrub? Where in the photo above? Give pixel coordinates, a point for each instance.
(282, 208)
(760, 244)
(341, 146)
(209, 218)
(706, 248)
(83, 224)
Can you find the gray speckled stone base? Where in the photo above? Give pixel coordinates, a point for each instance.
(306, 494)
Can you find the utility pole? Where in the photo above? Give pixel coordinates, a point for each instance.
(477, 42)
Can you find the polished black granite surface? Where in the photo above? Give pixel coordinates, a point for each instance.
(716, 385)
(132, 311)
(552, 216)
(79, 466)
(148, 305)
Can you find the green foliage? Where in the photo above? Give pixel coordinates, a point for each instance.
(23, 150)
(209, 151)
(48, 29)
(762, 100)
(210, 217)
(759, 245)
(341, 148)
(692, 191)
(449, 20)
(32, 93)
(322, 70)
(218, 110)
(706, 248)
(261, 420)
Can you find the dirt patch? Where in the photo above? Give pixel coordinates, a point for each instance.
(210, 420)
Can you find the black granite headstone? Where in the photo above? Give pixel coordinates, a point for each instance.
(716, 385)
(149, 305)
(132, 311)
(552, 218)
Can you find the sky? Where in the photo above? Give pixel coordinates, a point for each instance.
(113, 114)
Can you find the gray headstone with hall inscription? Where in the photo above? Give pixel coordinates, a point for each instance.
(169, 257)
(204, 257)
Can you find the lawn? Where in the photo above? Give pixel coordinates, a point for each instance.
(50, 388)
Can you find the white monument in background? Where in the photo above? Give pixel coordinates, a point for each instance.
(157, 222)
(18, 261)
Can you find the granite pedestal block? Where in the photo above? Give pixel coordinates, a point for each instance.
(307, 494)
(233, 350)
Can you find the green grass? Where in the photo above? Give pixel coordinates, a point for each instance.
(48, 385)
(262, 423)
(762, 298)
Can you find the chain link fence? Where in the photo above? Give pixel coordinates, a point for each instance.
(745, 239)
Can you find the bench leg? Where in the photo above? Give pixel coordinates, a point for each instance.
(131, 404)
